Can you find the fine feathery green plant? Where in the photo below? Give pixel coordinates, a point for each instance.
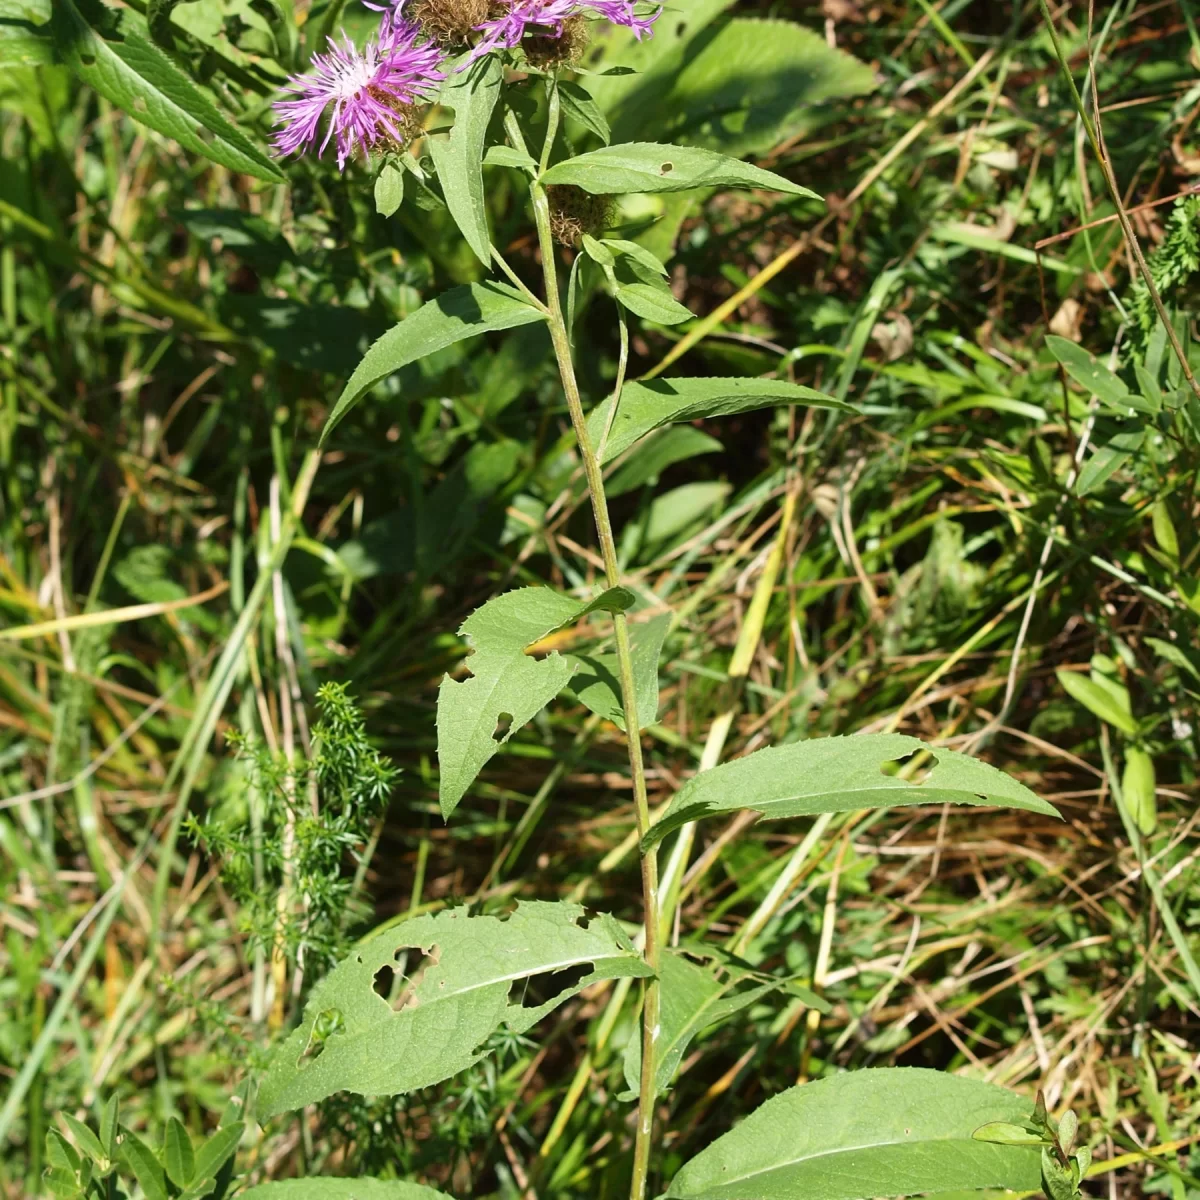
(433, 96)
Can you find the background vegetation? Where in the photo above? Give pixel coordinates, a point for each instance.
(172, 337)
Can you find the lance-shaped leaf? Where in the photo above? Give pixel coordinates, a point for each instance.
(458, 155)
(842, 774)
(654, 167)
(885, 1132)
(129, 70)
(434, 1018)
(597, 679)
(646, 406)
(459, 313)
(693, 998)
(319, 1188)
(508, 687)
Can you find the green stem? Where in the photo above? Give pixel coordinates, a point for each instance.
(561, 340)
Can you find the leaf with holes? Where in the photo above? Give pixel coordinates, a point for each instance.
(458, 155)
(653, 167)
(434, 1020)
(135, 75)
(885, 1132)
(841, 774)
(694, 998)
(597, 679)
(645, 406)
(507, 687)
(459, 313)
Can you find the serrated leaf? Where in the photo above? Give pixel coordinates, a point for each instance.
(318, 1188)
(85, 1139)
(389, 189)
(178, 1155)
(651, 167)
(215, 1152)
(460, 313)
(450, 1011)
(692, 999)
(1095, 378)
(646, 406)
(509, 156)
(1098, 700)
(653, 303)
(597, 684)
(139, 1160)
(578, 104)
(505, 681)
(458, 157)
(841, 774)
(136, 76)
(890, 1131)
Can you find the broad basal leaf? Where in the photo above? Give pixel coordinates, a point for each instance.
(692, 998)
(458, 156)
(885, 1132)
(320, 1188)
(654, 167)
(841, 774)
(646, 406)
(597, 680)
(508, 687)
(459, 313)
(436, 1013)
(135, 75)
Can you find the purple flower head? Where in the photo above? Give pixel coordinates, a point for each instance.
(550, 16)
(368, 88)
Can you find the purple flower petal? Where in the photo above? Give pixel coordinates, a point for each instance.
(548, 17)
(365, 88)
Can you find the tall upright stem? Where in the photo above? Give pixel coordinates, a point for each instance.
(560, 336)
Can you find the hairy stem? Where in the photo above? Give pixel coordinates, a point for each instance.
(561, 339)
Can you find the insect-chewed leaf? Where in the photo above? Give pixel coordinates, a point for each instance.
(645, 406)
(692, 998)
(321, 1188)
(460, 313)
(507, 687)
(477, 975)
(458, 156)
(654, 167)
(891, 1131)
(841, 774)
(136, 76)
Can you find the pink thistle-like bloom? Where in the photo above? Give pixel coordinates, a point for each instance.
(368, 88)
(510, 27)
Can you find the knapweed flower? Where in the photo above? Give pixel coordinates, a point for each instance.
(550, 17)
(371, 91)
